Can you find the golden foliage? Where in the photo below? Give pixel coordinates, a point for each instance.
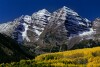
(88, 57)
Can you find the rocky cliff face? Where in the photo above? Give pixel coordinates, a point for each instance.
(96, 27)
(65, 29)
(46, 32)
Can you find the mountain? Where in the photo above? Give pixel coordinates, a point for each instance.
(65, 29)
(51, 32)
(11, 51)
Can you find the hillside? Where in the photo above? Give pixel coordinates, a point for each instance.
(11, 51)
(87, 57)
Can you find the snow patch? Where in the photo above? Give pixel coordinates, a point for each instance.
(87, 32)
(81, 23)
(24, 34)
(35, 27)
(87, 20)
(38, 32)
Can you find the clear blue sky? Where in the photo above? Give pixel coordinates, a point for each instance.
(11, 9)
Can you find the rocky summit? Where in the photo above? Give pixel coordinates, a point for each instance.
(48, 32)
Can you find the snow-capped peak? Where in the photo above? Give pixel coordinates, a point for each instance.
(42, 12)
(40, 21)
(69, 11)
(75, 23)
(87, 20)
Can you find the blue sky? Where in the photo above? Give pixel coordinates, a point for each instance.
(11, 9)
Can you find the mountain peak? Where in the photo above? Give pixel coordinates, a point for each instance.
(97, 19)
(64, 7)
(43, 12)
(69, 11)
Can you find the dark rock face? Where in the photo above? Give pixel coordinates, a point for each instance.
(76, 25)
(17, 35)
(96, 27)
